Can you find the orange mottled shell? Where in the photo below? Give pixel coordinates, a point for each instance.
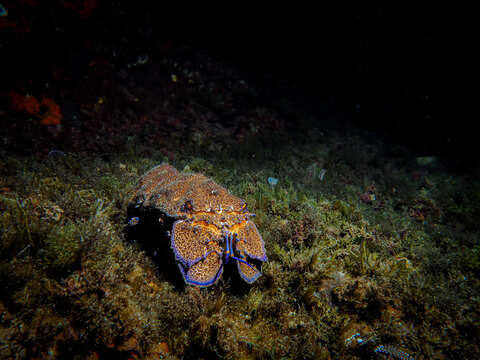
(211, 224)
(168, 190)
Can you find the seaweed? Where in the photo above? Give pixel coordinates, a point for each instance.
(344, 278)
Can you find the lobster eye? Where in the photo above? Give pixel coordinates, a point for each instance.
(188, 206)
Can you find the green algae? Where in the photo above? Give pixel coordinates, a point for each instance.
(337, 266)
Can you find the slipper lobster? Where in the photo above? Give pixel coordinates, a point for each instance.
(211, 226)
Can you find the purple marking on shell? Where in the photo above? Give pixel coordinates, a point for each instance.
(249, 242)
(189, 280)
(251, 279)
(178, 256)
(261, 258)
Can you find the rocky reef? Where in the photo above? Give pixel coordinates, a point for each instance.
(343, 276)
(371, 253)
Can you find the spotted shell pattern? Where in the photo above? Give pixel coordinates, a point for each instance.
(205, 214)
